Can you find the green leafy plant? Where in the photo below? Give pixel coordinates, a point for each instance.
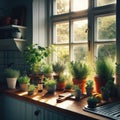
(11, 73)
(92, 101)
(89, 87)
(77, 92)
(46, 69)
(69, 86)
(105, 69)
(58, 67)
(89, 84)
(35, 55)
(62, 78)
(31, 87)
(24, 79)
(76, 87)
(111, 87)
(50, 83)
(79, 70)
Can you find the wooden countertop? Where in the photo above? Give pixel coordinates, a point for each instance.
(68, 106)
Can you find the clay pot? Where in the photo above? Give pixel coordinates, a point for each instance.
(98, 84)
(81, 83)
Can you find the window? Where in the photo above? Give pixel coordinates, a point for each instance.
(61, 6)
(104, 2)
(106, 36)
(83, 30)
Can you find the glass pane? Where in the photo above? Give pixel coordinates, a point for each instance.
(106, 28)
(62, 32)
(80, 53)
(62, 53)
(80, 30)
(80, 5)
(106, 50)
(105, 2)
(61, 6)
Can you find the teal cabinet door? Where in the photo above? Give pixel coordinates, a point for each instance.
(13, 109)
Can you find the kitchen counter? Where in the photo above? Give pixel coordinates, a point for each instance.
(69, 106)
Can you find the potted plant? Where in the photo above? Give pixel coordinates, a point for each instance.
(61, 82)
(105, 93)
(24, 82)
(92, 102)
(47, 70)
(104, 72)
(69, 86)
(77, 92)
(79, 71)
(58, 68)
(11, 76)
(50, 85)
(89, 87)
(35, 57)
(109, 89)
(31, 89)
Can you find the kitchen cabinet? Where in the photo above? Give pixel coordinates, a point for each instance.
(15, 109)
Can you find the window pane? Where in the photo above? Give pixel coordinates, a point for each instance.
(62, 32)
(106, 28)
(61, 6)
(80, 5)
(80, 53)
(106, 50)
(105, 2)
(80, 30)
(62, 53)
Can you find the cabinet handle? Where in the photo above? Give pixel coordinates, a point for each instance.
(37, 112)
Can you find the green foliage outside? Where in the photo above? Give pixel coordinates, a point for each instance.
(106, 31)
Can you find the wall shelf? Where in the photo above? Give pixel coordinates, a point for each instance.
(7, 40)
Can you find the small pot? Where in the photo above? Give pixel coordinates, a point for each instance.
(17, 35)
(89, 91)
(77, 94)
(24, 87)
(51, 90)
(92, 104)
(11, 83)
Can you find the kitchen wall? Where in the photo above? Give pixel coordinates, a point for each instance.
(36, 23)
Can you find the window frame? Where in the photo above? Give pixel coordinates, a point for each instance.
(92, 12)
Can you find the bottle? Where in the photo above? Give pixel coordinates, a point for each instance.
(40, 86)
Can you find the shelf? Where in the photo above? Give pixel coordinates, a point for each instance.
(12, 44)
(7, 40)
(15, 39)
(12, 27)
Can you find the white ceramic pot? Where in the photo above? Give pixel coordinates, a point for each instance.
(11, 83)
(17, 35)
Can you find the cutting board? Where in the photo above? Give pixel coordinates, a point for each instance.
(63, 96)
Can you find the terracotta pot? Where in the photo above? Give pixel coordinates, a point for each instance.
(61, 85)
(98, 84)
(81, 83)
(24, 87)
